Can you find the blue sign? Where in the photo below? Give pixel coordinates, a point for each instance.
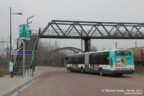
(27, 52)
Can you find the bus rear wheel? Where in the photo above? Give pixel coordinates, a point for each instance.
(119, 75)
(71, 70)
(100, 72)
(81, 70)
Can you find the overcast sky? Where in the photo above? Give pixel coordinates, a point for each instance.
(87, 10)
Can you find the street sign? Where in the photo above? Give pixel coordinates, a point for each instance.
(20, 52)
(27, 52)
(24, 31)
(10, 66)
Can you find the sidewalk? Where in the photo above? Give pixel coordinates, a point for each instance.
(9, 85)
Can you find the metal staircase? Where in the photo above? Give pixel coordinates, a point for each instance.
(29, 59)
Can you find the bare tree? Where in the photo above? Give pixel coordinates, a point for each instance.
(47, 56)
(93, 48)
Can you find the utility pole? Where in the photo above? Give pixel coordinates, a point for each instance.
(7, 49)
(23, 58)
(10, 34)
(81, 40)
(135, 44)
(11, 30)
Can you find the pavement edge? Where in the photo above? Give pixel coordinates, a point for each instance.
(13, 91)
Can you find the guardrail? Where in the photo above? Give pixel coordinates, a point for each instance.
(33, 56)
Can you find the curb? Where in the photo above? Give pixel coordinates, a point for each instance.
(13, 91)
(138, 74)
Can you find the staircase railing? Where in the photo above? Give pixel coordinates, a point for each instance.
(17, 59)
(33, 56)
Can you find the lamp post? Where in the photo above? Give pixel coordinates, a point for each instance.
(11, 34)
(11, 30)
(28, 20)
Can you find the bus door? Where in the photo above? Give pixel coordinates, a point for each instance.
(87, 61)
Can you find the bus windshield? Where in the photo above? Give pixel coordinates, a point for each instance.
(123, 53)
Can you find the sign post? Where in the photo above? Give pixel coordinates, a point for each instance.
(23, 58)
(24, 34)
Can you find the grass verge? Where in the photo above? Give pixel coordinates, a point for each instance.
(139, 69)
(3, 71)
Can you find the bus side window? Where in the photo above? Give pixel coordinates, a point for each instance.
(75, 60)
(90, 59)
(81, 59)
(105, 58)
(97, 59)
(70, 60)
(102, 58)
(66, 59)
(94, 59)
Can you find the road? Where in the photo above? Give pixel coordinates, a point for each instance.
(60, 82)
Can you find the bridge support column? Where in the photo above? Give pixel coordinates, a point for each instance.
(87, 44)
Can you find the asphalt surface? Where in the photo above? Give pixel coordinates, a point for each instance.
(60, 82)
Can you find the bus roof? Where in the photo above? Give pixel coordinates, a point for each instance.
(75, 54)
(99, 51)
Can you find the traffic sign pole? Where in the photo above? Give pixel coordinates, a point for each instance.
(23, 59)
(24, 34)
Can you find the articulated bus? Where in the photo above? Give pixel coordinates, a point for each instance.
(115, 62)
